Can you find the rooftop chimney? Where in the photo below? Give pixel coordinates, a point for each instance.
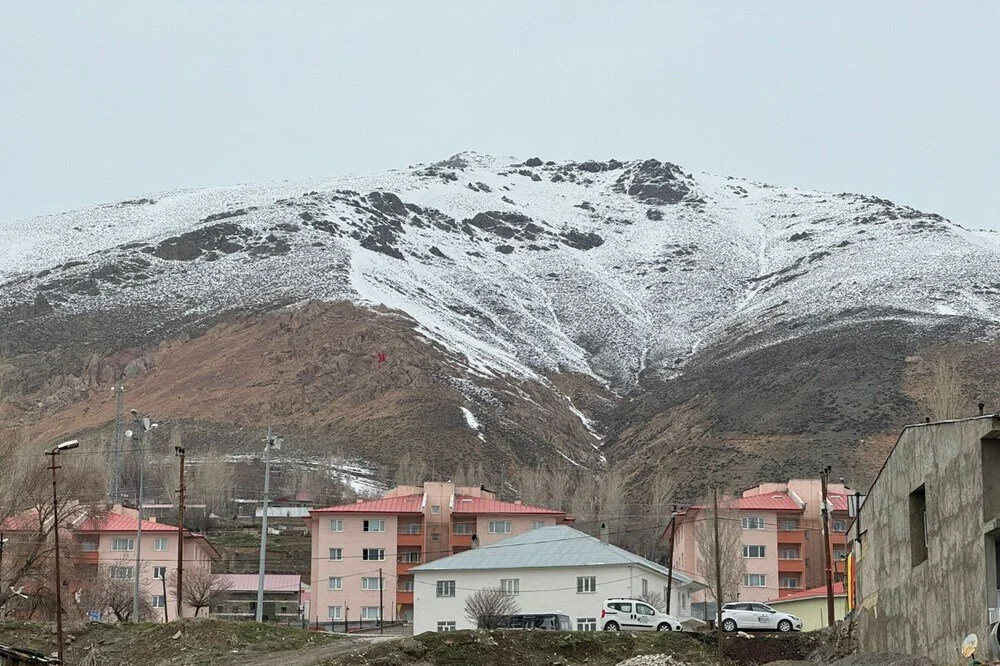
(982, 406)
(359, 500)
(605, 538)
(475, 541)
(517, 501)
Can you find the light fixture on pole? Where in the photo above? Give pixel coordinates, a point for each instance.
(143, 426)
(271, 442)
(65, 446)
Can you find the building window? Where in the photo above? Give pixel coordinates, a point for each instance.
(89, 545)
(753, 552)
(334, 583)
(159, 601)
(122, 543)
(789, 582)
(787, 553)
(465, 528)
(336, 553)
(408, 556)
(446, 626)
(333, 612)
(159, 573)
(788, 524)
(336, 525)
(160, 544)
(645, 587)
(754, 580)
(586, 624)
(753, 523)
(405, 586)
(435, 509)
(918, 526)
(510, 585)
(446, 588)
(840, 526)
(586, 584)
(412, 528)
(685, 599)
(370, 612)
(122, 573)
(435, 535)
(373, 554)
(373, 526)
(499, 527)
(371, 583)
(535, 524)
(839, 554)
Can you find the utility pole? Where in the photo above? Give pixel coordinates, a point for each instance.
(2, 542)
(826, 550)
(381, 608)
(271, 442)
(141, 436)
(179, 451)
(72, 444)
(164, 582)
(718, 575)
(673, 532)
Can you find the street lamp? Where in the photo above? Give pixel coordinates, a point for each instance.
(143, 426)
(65, 446)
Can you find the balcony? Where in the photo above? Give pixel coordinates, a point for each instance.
(791, 566)
(404, 596)
(461, 541)
(406, 561)
(796, 537)
(410, 535)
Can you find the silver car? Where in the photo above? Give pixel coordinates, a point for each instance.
(757, 617)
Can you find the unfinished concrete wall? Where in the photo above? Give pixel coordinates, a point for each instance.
(916, 604)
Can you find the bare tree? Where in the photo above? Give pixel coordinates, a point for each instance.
(611, 502)
(202, 588)
(490, 608)
(214, 479)
(730, 552)
(110, 591)
(411, 470)
(654, 599)
(945, 397)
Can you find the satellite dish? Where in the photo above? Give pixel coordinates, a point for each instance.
(969, 645)
(129, 433)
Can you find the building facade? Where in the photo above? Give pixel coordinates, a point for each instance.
(406, 527)
(926, 542)
(547, 570)
(108, 548)
(282, 598)
(811, 606)
(781, 540)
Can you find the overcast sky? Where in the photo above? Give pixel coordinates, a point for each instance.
(100, 101)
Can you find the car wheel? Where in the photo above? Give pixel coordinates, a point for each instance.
(729, 625)
(611, 626)
(663, 626)
(784, 626)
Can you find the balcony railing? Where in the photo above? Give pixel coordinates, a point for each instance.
(415, 528)
(464, 529)
(408, 557)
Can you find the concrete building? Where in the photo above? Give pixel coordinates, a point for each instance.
(781, 542)
(107, 544)
(282, 598)
(810, 605)
(926, 541)
(408, 526)
(548, 569)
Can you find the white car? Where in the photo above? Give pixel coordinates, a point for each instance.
(633, 615)
(757, 617)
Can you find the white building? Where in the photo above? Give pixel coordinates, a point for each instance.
(549, 569)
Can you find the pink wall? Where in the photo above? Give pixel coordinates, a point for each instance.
(518, 525)
(352, 568)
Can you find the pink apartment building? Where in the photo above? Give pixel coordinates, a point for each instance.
(407, 526)
(781, 539)
(107, 547)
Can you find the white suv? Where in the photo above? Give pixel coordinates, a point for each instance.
(756, 617)
(633, 615)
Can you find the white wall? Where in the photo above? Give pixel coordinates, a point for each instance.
(547, 589)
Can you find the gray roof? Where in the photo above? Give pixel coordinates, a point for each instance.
(558, 546)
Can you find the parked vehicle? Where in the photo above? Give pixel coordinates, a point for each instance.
(634, 615)
(544, 621)
(757, 617)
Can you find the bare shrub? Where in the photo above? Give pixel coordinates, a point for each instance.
(490, 608)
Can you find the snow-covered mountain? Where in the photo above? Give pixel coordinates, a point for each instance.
(526, 268)
(618, 271)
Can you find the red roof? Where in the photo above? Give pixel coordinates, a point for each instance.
(22, 521)
(115, 522)
(838, 502)
(767, 502)
(401, 504)
(838, 591)
(466, 504)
